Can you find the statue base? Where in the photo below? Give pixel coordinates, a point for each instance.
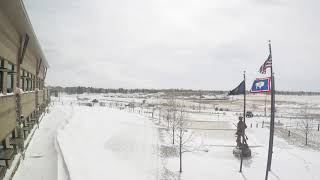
(244, 149)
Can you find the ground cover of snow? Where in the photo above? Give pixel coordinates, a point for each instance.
(107, 143)
(103, 143)
(41, 157)
(219, 162)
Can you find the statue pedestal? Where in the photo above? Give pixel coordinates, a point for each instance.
(244, 148)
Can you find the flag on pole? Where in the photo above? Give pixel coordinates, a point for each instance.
(261, 85)
(238, 90)
(267, 64)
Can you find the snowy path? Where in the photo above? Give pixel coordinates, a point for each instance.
(40, 161)
(103, 143)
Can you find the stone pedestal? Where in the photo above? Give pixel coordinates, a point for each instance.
(244, 149)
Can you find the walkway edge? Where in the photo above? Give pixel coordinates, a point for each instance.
(65, 174)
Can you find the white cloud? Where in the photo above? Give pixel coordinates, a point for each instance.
(182, 44)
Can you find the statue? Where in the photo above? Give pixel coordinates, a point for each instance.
(242, 145)
(241, 127)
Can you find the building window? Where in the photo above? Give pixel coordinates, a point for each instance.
(34, 82)
(23, 82)
(10, 78)
(41, 84)
(1, 74)
(25, 78)
(21, 79)
(29, 82)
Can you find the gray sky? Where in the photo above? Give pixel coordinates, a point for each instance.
(198, 44)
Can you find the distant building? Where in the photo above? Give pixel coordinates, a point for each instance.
(23, 68)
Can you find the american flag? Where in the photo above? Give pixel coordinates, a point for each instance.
(267, 64)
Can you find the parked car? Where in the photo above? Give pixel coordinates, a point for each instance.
(249, 114)
(95, 101)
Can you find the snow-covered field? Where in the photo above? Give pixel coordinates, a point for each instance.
(81, 142)
(103, 143)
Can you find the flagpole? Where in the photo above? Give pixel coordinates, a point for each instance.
(270, 150)
(244, 97)
(244, 117)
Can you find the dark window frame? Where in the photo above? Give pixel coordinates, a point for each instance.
(10, 77)
(28, 81)
(1, 74)
(31, 80)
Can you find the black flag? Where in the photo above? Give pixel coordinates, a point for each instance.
(238, 90)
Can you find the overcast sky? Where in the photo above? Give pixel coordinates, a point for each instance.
(198, 44)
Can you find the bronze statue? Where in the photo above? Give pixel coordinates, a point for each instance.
(241, 127)
(242, 146)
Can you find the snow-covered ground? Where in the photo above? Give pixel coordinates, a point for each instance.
(41, 160)
(103, 143)
(289, 162)
(100, 142)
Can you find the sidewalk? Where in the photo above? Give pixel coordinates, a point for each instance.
(41, 158)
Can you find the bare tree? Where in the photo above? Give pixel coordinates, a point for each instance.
(172, 115)
(185, 136)
(167, 116)
(159, 115)
(132, 104)
(306, 124)
(153, 111)
(178, 125)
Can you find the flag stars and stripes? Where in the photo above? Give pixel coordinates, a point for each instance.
(267, 64)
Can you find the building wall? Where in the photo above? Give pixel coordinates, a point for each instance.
(40, 97)
(8, 50)
(28, 103)
(9, 40)
(7, 115)
(10, 47)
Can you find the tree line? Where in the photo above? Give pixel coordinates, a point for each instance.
(182, 92)
(82, 89)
